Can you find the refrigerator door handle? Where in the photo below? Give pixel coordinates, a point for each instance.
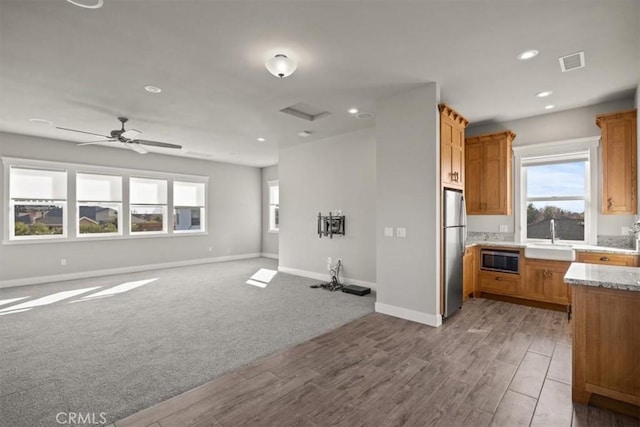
(463, 222)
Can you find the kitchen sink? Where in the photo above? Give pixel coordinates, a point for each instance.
(550, 252)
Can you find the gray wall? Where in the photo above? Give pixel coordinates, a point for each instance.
(408, 195)
(269, 240)
(233, 219)
(563, 125)
(330, 174)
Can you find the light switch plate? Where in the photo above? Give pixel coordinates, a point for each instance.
(388, 232)
(401, 232)
(504, 228)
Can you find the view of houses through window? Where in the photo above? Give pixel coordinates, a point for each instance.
(38, 200)
(556, 191)
(274, 206)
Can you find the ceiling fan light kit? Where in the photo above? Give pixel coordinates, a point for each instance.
(281, 66)
(127, 137)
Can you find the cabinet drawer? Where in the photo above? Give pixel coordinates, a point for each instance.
(497, 283)
(607, 259)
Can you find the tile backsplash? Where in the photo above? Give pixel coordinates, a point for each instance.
(622, 242)
(481, 236)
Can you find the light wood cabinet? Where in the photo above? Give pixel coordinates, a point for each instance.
(607, 259)
(606, 348)
(619, 157)
(488, 164)
(469, 273)
(452, 126)
(499, 283)
(544, 281)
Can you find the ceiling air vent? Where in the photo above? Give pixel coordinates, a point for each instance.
(572, 62)
(305, 111)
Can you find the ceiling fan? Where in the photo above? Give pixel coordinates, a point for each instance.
(128, 137)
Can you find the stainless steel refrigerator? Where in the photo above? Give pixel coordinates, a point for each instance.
(454, 242)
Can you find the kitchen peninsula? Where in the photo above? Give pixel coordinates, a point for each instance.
(606, 340)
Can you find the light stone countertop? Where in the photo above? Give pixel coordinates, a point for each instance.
(579, 248)
(604, 276)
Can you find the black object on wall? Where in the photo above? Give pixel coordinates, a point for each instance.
(330, 225)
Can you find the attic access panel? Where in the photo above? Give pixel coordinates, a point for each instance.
(305, 111)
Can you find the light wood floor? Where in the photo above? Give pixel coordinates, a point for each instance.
(494, 363)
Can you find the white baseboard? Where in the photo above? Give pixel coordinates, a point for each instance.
(405, 313)
(325, 277)
(269, 255)
(121, 270)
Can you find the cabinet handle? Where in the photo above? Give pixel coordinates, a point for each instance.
(604, 258)
(499, 279)
(610, 202)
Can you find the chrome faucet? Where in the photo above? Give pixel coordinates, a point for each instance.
(552, 227)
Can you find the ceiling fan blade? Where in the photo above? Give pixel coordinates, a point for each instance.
(156, 143)
(136, 147)
(81, 131)
(131, 134)
(95, 142)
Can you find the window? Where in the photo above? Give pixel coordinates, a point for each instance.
(557, 182)
(99, 201)
(188, 206)
(148, 201)
(274, 206)
(38, 201)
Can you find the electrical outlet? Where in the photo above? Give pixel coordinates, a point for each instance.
(504, 228)
(210, 248)
(625, 231)
(401, 232)
(63, 262)
(388, 232)
(329, 260)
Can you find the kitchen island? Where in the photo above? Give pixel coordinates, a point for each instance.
(606, 335)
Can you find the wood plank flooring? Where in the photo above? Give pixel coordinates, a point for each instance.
(494, 363)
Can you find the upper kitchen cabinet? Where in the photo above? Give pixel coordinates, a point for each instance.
(488, 173)
(619, 153)
(452, 126)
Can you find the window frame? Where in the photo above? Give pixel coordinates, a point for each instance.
(558, 152)
(163, 206)
(272, 228)
(11, 203)
(70, 221)
(118, 205)
(203, 208)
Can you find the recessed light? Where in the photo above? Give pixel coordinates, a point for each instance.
(152, 89)
(98, 4)
(41, 121)
(549, 107)
(353, 111)
(261, 139)
(304, 133)
(543, 94)
(528, 54)
(364, 116)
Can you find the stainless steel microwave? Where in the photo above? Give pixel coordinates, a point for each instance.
(499, 260)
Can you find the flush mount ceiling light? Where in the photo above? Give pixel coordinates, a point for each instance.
(281, 66)
(98, 4)
(261, 139)
(528, 54)
(41, 121)
(549, 107)
(304, 133)
(152, 89)
(353, 111)
(543, 94)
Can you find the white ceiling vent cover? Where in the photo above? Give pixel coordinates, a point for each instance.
(572, 62)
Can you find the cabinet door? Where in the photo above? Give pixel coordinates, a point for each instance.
(499, 283)
(473, 178)
(544, 281)
(451, 154)
(494, 188)
(535, 277)
(619, 153)
(556, 290)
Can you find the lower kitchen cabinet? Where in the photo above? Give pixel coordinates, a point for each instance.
(469, 273)
(499, 283)
(544, 281)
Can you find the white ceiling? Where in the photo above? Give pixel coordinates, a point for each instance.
(82, 68)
